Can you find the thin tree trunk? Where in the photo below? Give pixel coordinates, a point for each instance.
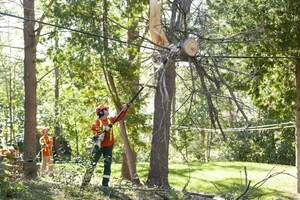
(116, 100)
(76, 139)
(208, 146)
(10, 108)
(9, 90)
(5, 130)
(129, 166)
(298, 125)
(129, 155)
(56, 104)
(58, 141)
(30, 92)
(126, 174)
(174, 108)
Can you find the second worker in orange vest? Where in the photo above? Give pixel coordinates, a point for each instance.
(46, 143)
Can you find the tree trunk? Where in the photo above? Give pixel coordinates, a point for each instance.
(11, 138)
(76, 140)
(114, 93)
(129, 156)
(56, 104)
(56, 113)
(173, 120)
(126, 174)
(298, 124)
(30, 92)
(158, 172)
(129, 165)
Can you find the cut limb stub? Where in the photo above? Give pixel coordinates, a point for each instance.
(190, 46)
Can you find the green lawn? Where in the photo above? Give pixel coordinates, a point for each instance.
(223, 179)
(228, 178)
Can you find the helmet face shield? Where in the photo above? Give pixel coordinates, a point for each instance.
(100, 110)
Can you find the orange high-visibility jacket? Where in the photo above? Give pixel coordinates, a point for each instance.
(46, 151)
(97, 126)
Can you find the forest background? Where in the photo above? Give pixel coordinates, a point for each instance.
(235, 101)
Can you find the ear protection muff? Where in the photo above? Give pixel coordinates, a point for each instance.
(101, 113)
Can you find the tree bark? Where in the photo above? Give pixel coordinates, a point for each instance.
(30, 92)
(126, 174)
(159, 169)
(129, 155)
(298, 124)
(158, 172)
(56, 104)
(12, 139)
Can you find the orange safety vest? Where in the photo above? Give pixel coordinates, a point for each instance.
(109, 139)
(109, 135)
(46, 151)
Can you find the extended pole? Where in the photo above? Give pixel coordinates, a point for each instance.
(136, 95)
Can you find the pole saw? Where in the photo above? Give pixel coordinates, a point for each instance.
(136, 95)
(98, 139)
(173, 51)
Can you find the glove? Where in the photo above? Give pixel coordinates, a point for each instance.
(98, 139)
(106, 128)
(101, 137)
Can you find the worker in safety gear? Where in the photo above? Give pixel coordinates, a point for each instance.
(10, 152)
(104, 141)
(46, 143)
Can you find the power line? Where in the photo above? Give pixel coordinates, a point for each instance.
(251, 128)
(138, 45)
(252, 57)
(77, 31)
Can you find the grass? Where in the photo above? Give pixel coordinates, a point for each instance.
(228, 178)
(224, 179)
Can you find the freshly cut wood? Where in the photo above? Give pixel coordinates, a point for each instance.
(157, 34)
(190, 46)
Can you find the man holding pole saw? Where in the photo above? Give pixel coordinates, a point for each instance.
(104, 138)
(104, 141)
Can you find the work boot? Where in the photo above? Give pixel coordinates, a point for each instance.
(105, 189)
(105, 182)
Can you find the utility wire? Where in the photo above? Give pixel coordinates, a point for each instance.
(251, 128)
(79, 31)
(138, 45)
(252, 57)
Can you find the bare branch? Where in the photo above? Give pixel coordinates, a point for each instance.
(248, 191)
(41, 25)
(231, 92)
(212, 110)
(15, 27)
(46, 74)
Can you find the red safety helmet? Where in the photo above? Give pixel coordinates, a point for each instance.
(101, 108)
(44, 130)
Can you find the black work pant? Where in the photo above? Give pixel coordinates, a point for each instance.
(107, 156)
